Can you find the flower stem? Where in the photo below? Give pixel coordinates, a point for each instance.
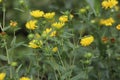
(4, 13)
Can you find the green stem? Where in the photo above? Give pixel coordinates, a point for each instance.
(86, 73)
(61, 59)
(4, 10)
(6, 48)
(55, 75)
(5, 42)
(1, 27)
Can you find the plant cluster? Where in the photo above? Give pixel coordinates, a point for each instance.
(81, 44)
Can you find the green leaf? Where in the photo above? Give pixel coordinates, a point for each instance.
(19, 44)
(17, 70)
(13, 42)
(65, 75)
(92, 4)
(82, 75)
(6, 28)
(2, 57)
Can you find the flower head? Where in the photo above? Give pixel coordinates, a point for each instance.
(58, 25)
(49, 15)
(107, 22)
(64, 18)
(24, 78)
(37, 13)
(104, 39)
(31, 24)
(55, 49)
(118, 27)
(2, 76)
(13, 23)
(109, 3)
(53, 34)
(49, 32)
(35, 44)
(87, 40)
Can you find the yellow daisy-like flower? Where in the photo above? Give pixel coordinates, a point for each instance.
(107, 22)
(87, 40)
(53, 34)
(37, 13)
(2, 76)
(109, 3)
(64, 18)
(58, 25)
(35, 44)
(47, 31)
(49, 15)
(50, 32)
(55, 49)
(25, 78)
(118, 27)
(13, 23)
(31, 24)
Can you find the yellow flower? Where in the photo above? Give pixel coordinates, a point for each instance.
(109, 3)
(118, 27)
(24, 78)
(64, 18)
(107, 22)
(55, 49)
(37, 13)
(31, 24)
(53, 34)
(49, 15)
(13, 23)
(58, 25)
(87, 40)
(35, 44)
(49, 31)
(2, 76)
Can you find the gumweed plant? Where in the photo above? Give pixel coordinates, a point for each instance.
(81, 44)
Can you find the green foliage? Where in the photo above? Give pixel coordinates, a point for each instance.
(62, 56)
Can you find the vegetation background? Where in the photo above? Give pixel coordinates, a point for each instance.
(72, 61)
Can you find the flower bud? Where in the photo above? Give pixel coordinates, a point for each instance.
(82, 10)
(30, 36)
(14, 64)
(88, 55)
(87, 62)
(21, 2)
